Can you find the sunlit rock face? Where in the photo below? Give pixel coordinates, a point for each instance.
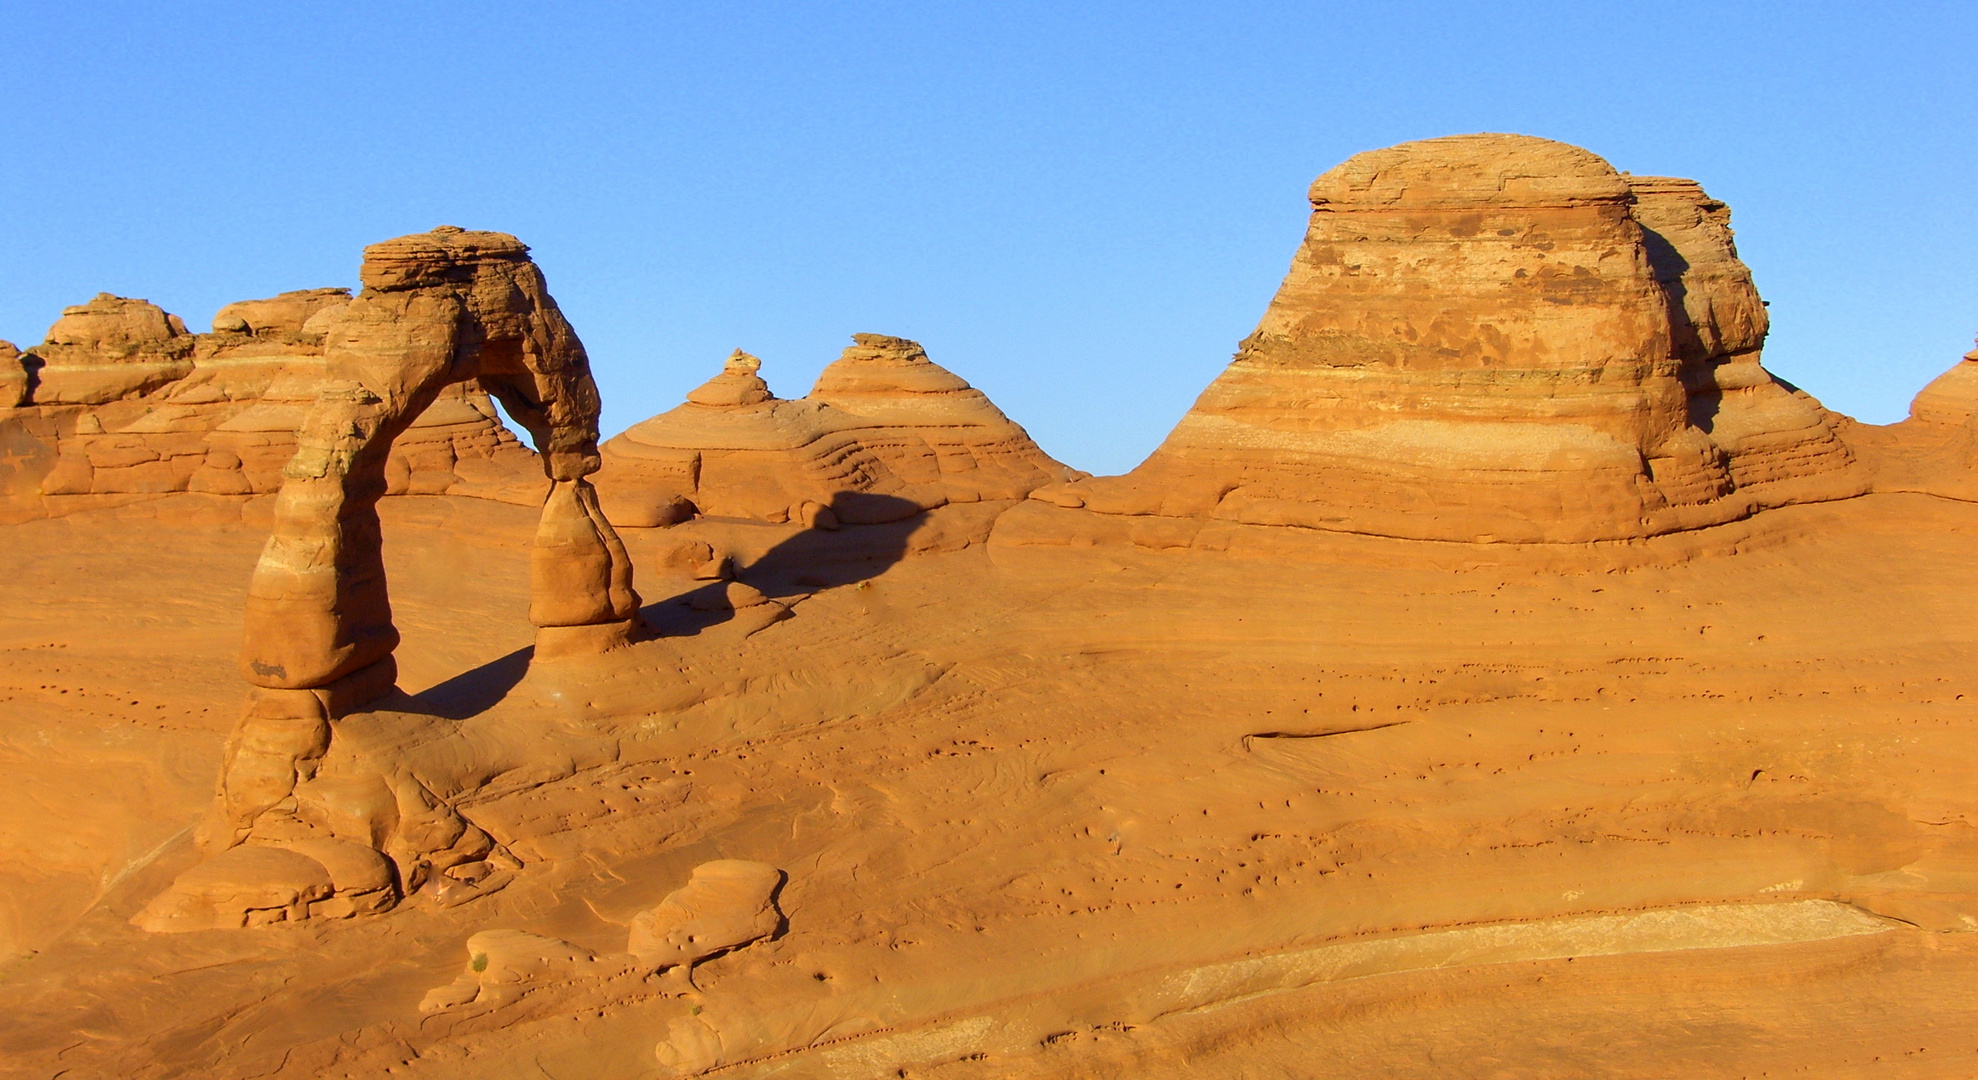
(1496, 337)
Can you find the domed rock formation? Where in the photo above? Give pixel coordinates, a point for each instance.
(884, 434)
(107, 349)
(1493, 338)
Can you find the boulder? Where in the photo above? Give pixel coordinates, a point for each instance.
(285, 315)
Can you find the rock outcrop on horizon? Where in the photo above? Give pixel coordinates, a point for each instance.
(1492, 338)
(1934, 450)
(121, 400)
(884, 434)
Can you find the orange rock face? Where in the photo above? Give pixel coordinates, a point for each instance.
(1495, 338)
(107, 349)
(13, 376)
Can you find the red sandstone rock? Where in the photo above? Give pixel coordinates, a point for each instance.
(303, 311)
(1935, 450)
(438, 308)
(725, 904)
(225, 424)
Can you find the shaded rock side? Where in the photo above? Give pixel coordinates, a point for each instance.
(122, 401)
(1935, 450)
(884, 434)
(1495, 338)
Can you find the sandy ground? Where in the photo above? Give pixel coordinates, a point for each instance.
(1336, 808)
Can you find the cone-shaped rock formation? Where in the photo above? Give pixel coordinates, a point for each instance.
(885, 433)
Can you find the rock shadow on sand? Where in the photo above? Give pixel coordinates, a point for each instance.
(804, 564)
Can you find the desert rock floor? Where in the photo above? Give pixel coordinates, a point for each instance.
(1352, 808)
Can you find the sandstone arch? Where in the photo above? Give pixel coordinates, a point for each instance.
(437, 308)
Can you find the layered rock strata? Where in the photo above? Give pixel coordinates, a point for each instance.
(437, 309)
(884, 434)
(120, 400)
(1494, 338)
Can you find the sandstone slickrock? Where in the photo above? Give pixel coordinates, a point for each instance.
(503, 965)
(885, 433)
(726, 904)
(1492, 338)
(1294, 794)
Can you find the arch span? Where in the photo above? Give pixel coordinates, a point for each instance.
(437, 308)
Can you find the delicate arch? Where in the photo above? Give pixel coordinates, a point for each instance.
(437, 308)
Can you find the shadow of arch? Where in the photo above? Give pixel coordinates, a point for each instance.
(474, 691)
(809, 562)
(803, 564)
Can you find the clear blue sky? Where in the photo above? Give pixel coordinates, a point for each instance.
(1081, 208)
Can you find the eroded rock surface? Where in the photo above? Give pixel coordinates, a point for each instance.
(1295, 794)
(728, 903)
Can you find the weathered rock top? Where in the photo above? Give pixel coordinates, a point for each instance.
(114, 326)
(1467, 172)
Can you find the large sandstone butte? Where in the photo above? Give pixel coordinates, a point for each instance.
(1271, 758)
(1496, 338)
